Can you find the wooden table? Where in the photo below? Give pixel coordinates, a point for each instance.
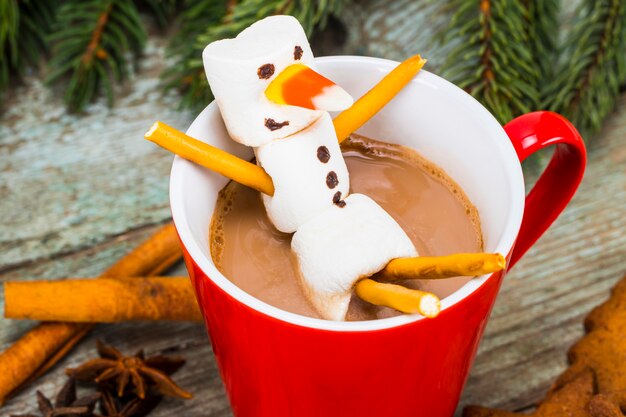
(79, 192)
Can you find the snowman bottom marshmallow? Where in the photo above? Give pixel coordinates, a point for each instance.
(343, 244)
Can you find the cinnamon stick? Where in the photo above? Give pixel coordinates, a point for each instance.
(43, 346)
(102, 300)
(31, 350)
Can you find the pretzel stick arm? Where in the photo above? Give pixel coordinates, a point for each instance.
(213, 158)
(437, 267)
(398, 297)
(374, 100)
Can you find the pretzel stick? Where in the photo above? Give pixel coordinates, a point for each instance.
(375, 99)
(255, 177)
(208, 156)
(437, 267)
(398, 297)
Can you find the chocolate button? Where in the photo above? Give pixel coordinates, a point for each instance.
(338, 201)
(297, 53)
(332, 180)
(265, 71)
(273, 125)
(323, 154)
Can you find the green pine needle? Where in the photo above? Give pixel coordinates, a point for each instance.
(23, 27)
(94, 43)
(9, 22)
(493, 59)
(162, 11)
(543, 31)
(592, 65)
(187, 73)
(505, 52)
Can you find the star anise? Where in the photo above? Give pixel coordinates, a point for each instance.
(142, 373)
(65, 403)
(111, 407)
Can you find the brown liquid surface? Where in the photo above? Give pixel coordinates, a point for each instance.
(429, 205)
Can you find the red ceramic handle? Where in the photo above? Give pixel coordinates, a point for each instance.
(557, 185)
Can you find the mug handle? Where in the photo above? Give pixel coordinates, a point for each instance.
(558, 183)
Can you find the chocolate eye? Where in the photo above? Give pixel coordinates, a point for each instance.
(265, 71)
(297, 53)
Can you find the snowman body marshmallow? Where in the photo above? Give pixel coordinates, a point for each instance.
(272, 100)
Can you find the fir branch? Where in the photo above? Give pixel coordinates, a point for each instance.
(23, 28)
(185, 73)
(234, 17)
(311, 14)
(162, 11)
(543, 29)
(593, 65)
(9, 21)
(93, 43)
(492, 58)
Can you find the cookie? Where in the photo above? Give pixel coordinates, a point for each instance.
(570, 400)
(603, 406)
(603, 348)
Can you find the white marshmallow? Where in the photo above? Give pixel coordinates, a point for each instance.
(341, 245)
(333, 98)
(299, 176)
(232, 66)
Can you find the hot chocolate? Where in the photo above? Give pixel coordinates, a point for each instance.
(429, 206)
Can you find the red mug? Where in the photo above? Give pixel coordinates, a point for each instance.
(275, 363)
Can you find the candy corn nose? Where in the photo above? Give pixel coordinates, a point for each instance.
(298, 85)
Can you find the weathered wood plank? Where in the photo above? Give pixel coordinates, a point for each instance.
(69, 181)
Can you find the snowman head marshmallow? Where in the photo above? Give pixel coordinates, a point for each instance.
(264, 83)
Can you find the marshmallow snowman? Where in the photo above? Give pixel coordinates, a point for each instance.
(271, 99)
